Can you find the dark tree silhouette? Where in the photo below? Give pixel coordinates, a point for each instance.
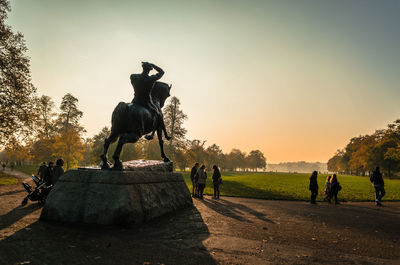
(17, 94)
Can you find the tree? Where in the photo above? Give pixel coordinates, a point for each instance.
(384, 154)
(256, 159)
(174, 118)
(236, 159)
(336, 163)
(69, 114)
(98, 143)
(197, 147)
(45, 107)
(69, 146)
(17, 93)
(364, 153)
(358, 162)
(18, 152)
(42, 149)
(214, 155)
(185, 158)
(88, 159)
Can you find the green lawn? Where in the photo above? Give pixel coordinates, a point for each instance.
(28, 169)
(6, 179)
(294, 186)
(283, 186)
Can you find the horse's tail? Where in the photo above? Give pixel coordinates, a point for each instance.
(119, 114)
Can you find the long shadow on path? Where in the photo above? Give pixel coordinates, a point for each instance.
(234, 210)
(11, 192)
(16, 214)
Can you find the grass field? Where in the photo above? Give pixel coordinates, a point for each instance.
(294, 186)
(283, 186)
(28, 169)
(6, 179)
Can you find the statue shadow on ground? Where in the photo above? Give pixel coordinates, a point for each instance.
(16, 214)
(172, 239)
(234, 210)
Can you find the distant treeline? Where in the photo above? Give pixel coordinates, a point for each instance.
(58, 134)
(300, 167)
(363, 153)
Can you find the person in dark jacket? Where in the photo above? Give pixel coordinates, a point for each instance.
(217, 180)
(379, 186)
(58, 170)
(192, 178)
(335, 188)
(42, 170)
(201, 177)
(313, 186)
(49, 174)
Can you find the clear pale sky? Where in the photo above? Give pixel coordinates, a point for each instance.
(295, 79)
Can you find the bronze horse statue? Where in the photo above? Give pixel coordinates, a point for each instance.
(131, 121)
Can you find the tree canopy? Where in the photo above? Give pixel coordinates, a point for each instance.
(17, 94)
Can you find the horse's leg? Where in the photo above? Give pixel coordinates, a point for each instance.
(161, 142)
(123, 139)
(162, 125)
(150, 136)
(112, 138)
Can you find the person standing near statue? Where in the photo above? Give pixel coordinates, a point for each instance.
(49, 174)
(201, 182)
(217, 181)
(379, 186)
(313, 187)
(335, 188)
(42, 170)
(143, 85)
(192, 178)
(58, 170)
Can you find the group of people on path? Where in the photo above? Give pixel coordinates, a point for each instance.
(50, 173)
(198, 177)
(332, 187)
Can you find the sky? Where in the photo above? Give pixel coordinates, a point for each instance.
(295, 79)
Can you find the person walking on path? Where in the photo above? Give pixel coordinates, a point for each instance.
(192, 178)
(327, 191)
(217, 180)
(201, 182)
(58, 170)
(335, 188)
(4, 166)
(313, 186)
(379, 186)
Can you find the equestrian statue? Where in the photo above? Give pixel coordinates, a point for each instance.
(143, 116)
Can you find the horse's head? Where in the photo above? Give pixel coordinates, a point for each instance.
(160, 92)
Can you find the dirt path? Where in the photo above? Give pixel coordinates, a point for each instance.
(226, 231)
(18, 174)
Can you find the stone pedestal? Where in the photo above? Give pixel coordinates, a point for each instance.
(145, 190)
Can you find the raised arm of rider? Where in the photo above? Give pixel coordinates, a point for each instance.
(159, 74)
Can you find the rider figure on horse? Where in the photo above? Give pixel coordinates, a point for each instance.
(143, 85)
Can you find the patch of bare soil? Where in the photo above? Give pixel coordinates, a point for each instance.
(225, 231)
